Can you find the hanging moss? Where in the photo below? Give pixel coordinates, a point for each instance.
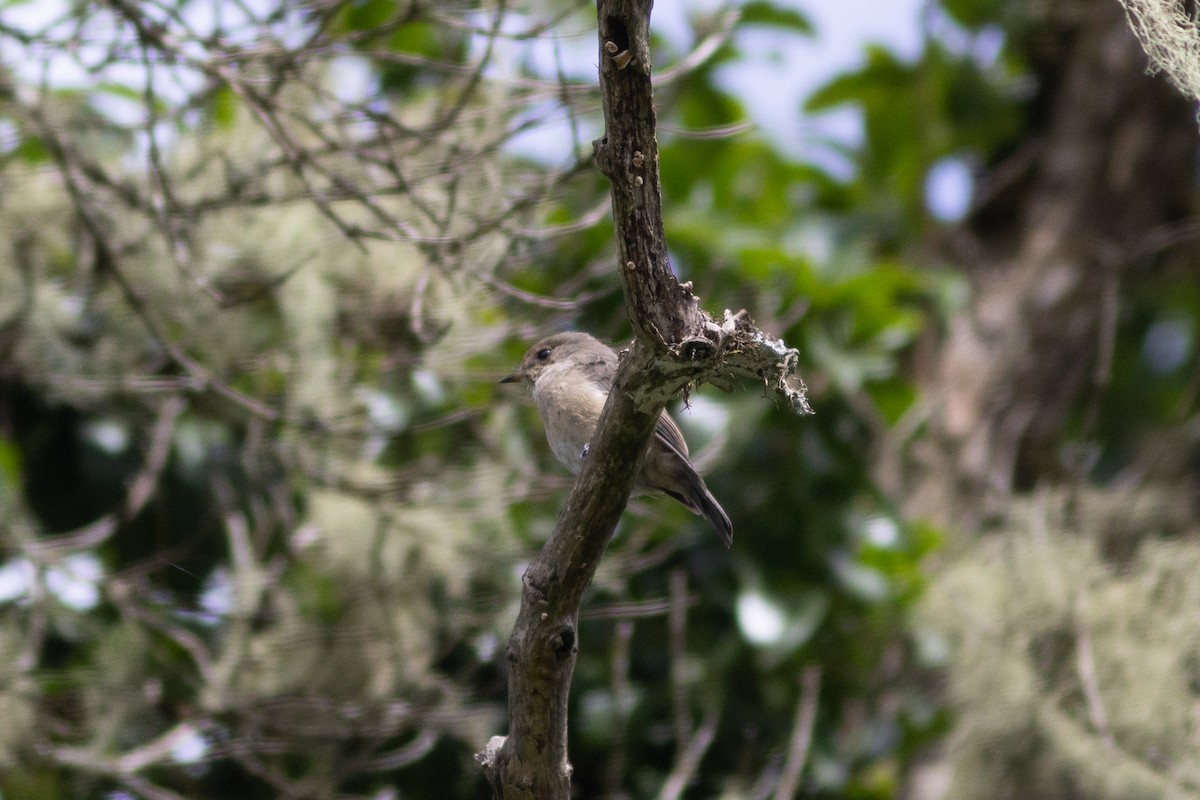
(1074, 675)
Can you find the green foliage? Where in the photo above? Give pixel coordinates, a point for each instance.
(915, 114)
(320, 584)
(31, 150)
(774, 16)
(975, 14)
(365, 15)
(306, 575)
(423, 46)
(223, 108)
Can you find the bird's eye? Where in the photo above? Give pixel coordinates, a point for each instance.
(543, 354)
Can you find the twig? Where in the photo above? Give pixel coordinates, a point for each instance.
(635, 610)
(142, 787)
(676, 642)
(806, 715)
(404, 755)
(1086, 666)
(689, 760)
(622, 639)
(154, 752)
(141, 489)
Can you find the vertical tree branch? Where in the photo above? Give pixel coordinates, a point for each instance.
(621, 696)
(677, 642)
(660, 309)
(676, 344)
(806, 716)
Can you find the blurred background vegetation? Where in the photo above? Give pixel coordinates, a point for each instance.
(264, 510)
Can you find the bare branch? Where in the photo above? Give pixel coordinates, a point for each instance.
(1086, 667)
(140, 490)
(676, 344)
(689, 760)
(806, 715)
(622, 641)
(677, 642)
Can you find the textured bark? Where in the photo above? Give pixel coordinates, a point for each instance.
(659, 308)
(1062, 230)
(541, 652)
(676, 344)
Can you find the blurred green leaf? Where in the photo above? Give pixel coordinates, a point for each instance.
(364, 15)
(31, 150)
(974, 14)
(760, 12)
(223, 107)
(10, 469)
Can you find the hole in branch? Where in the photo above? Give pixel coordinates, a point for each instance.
(566, 645)
(697, 349)
(617, 33)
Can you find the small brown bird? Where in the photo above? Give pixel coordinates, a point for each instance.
(570, 375)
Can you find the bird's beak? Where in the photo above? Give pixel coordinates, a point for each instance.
(516, 377)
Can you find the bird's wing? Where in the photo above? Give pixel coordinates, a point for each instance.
(667, 432)
(603, 367)
(604, 370)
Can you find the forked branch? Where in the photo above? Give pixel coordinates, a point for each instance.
(677, 344)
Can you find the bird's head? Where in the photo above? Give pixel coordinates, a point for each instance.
(572, 348)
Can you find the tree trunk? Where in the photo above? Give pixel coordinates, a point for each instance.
(1060, 228)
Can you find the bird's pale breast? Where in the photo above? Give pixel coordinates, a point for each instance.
(570, 409)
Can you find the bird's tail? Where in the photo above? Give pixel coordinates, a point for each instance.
(699, 500)
(712, 511)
